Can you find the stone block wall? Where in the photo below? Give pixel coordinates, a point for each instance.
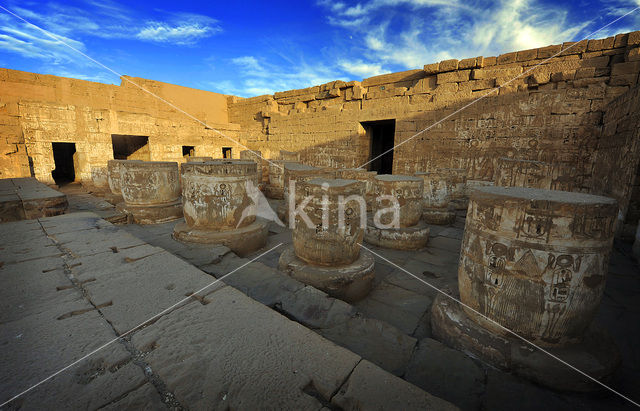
(549, 107)
(617, 163)
(36, 110)
(553, 105)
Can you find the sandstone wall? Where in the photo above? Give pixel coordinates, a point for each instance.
(616, 167)
(36, 110)
(552, 113)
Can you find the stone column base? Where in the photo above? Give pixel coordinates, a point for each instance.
(404, 238)
(350, 282)
(151, 214)
(242, 241)
(276, 193)
(438, 216)
(114, 199)
(597, 354)
(283, 212)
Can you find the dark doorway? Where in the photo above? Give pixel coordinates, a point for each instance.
(127, 147)
(188, 151)
(226, 152)
(63, 159)
(381, 135)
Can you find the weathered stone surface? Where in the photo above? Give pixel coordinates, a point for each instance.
(100, 178)
(295, 174)
(27, 198)
(349, 282)
(149, 182)
(596, 354)
(444, 191)
(408, 190)
(336, 230)
(151, 214)
(369, 387)
(151, 191)
(414, 237)
(397, 306)
(439, 216)
(261, 163)
(535, 260)
(243, 241)
(275, 188)
(199, 159)
(289, 156)
(446, 373)
(235, 353)
(114, 176)
(363, 175)
(215, 195)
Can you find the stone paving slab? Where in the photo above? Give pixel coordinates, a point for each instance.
(27, 198)
(143, 288)
(235, 354)
(395, 305)
(224, 350)
(45, 324)
(370, 388)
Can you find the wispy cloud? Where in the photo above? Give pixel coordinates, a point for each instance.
(405, 34)
(182, 29)
(256, 76)
(104, 19)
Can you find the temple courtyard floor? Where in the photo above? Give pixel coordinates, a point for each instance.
(74, 283)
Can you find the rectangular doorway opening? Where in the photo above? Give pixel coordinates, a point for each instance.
(63, 158)
(226, 152)
(126, 147)
(381, 135)
(188, 151)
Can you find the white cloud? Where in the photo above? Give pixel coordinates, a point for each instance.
(406, 34)
(361, 69)
(247, 63)
(33, 43)
(256, 76)
(184, 33)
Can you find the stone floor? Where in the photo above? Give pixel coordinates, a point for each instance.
(390, 328)
(73, 283)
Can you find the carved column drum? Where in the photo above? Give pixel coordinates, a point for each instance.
(300, 173)
(363, 175)
(214, 194)
(255, 156)
(149, 182)
(535, 261)
(443, 186)
(275, 188)
(336, 242)
(408, 191)
(114, 176)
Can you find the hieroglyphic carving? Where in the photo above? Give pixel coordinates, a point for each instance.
(535, 260)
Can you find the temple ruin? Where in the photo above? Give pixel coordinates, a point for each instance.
(461, 236)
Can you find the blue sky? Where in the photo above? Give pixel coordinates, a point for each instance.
(252, 48)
